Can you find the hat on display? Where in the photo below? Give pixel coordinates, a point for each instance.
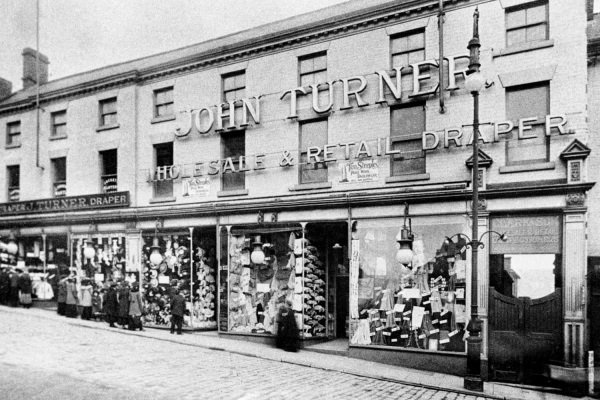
(154, 282)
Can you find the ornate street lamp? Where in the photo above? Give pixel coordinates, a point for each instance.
(474, 84)
(258, 255)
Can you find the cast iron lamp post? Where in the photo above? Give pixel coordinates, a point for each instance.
(474, 84)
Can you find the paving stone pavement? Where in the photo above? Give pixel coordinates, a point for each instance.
(51, 357)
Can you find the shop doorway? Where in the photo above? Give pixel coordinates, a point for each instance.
(525, 316)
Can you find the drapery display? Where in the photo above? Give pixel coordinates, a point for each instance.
(421, 304)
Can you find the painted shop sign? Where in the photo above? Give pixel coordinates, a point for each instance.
(237, 114)
(360, 152)
(527, 235)
(71, 203)
(195, 187)
(360, 171)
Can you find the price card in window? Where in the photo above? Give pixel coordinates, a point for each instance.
(399, 307)
(422, 336)
(454, 332)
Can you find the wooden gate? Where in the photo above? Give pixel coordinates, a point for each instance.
(524, 335)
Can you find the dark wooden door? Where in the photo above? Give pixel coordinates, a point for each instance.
(524, 335)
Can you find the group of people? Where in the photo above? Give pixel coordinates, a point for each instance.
(15, 287)
(124, 305)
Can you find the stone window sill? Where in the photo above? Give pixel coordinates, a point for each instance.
(526, 167)
(230, 193)
(311, 186)
(157, 200)
(107, 127)
(58, 137)
(162, 118)
(523, 47)
(407, 178)
(13, 146)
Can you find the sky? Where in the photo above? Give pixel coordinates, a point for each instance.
(79, 36)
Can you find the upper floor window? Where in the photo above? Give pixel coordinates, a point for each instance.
(13, 177)
(163, 157)
(59, 124)
(407, 125)
(234, 147)
(59, 172)
(108, 159)
(312, 134)
(406, 49)
(13, 134)
(312, 69)
(531, 101)
(527, 23)
(108, 112)
(163, 102)
(234, 86)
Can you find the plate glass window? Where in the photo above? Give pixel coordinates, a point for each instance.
(312, 134)
(526, 102)
(234, 147)
(108, 159)
(408, 49)
(163, 154)
(13, 134)
(527, 23)
(163, 102)
(59, 124)
(407, 125)
(59, 171)
(13, 175)
(108, 112)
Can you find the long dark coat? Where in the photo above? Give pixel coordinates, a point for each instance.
(124, 302)
(287, 331)
(112, 303)
(178, 305)
(25, 283)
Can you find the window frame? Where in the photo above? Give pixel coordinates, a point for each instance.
(538, 123)
(165, 185)
(104, 177)
(233, 75)
(166, 103)
(301, 154)
(525, 26)
(10, 142)
(54, 124)
(409, 137)
(312, 72)
(225, 186)
(102, 114)
(56, 182)
(10, 184)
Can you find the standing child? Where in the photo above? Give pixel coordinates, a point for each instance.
(86, 299)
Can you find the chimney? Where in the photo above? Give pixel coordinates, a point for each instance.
(589, 8)
(5, 88)
(29, 60)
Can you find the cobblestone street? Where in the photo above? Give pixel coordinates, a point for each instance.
(51, 358)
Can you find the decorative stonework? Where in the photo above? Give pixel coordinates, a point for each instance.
(575, 199)
(482, 204)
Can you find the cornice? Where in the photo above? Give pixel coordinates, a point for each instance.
(326, 200)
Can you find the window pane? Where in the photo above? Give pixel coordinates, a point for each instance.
(313, 173)
(525, 275)
(528, 150)
(416, 41)
(109, 107)
(527, 102)
(400, 60)
(515, 19)
(306, 65)
(240, 80)
(399, 44)
(234, 144)
(407, 120)
(60, 169)
(233, 181)
(313, 134)
(169, 109)
(14, 128)
(60, 130)
(416, 56)
(320, 62)
(411, 160)
(516, 36)
(109, 162)
(13, 176)
(169, 95)
(537, 32)
(228, 83)
(59, 118)
(536, 14)
(230, 96)
(160, 111)
(307, 79)
(160, 97)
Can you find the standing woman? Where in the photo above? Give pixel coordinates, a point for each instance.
(25, 289)
(287, 330)
(14, 288)
(112, 305)
(71, 311)
(124, 304)
(135, 308)
(62, 296)
(86, 299)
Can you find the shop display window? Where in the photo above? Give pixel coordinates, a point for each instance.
(189, 269)
(108, 260)
(420, 304)
(269, 266)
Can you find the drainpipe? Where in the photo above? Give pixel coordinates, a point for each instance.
(37, 85)
(441, 62)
